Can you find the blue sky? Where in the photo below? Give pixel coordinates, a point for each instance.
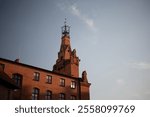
(112, 39)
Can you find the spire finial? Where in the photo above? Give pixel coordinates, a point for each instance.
(65, 22)
(65, 28)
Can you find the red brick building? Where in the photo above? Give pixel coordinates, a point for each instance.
(63, 82)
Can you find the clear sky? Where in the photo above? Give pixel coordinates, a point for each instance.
(111, 37)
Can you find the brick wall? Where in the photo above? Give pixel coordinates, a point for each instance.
(28, 82)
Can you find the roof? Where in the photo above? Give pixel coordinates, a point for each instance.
(38, 68)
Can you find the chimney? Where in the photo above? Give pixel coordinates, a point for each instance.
(17, 60)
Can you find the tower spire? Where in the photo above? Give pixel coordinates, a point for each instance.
(67, 62)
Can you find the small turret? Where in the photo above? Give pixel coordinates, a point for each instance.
(84, 76)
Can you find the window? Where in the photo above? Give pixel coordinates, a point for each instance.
(62, 82)
(48, 95)
(17, 78)
(36, 76)
(72, 97)
(2, 66)
(73, 84)
(35, 94)
(49, 79)
(62, 96)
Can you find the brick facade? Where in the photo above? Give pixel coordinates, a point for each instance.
(61, 83)
(81, 90)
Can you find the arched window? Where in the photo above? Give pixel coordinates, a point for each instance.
(17, 78)
(48, 95)
(62, 96)
(35, 94)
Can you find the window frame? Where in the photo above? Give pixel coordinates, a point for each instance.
(73, 84)
(48, 95)
(49, 79)
(62, 82)
(35, 93)
(62, 96)
(36, 76)
(17, 78)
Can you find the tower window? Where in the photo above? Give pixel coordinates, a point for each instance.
(36, 76)
(73, 84)
(62, 82)
(35, 94)
(49, 79)
(62, 96)
(17, 78)
(48, 95)
(72, 97)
